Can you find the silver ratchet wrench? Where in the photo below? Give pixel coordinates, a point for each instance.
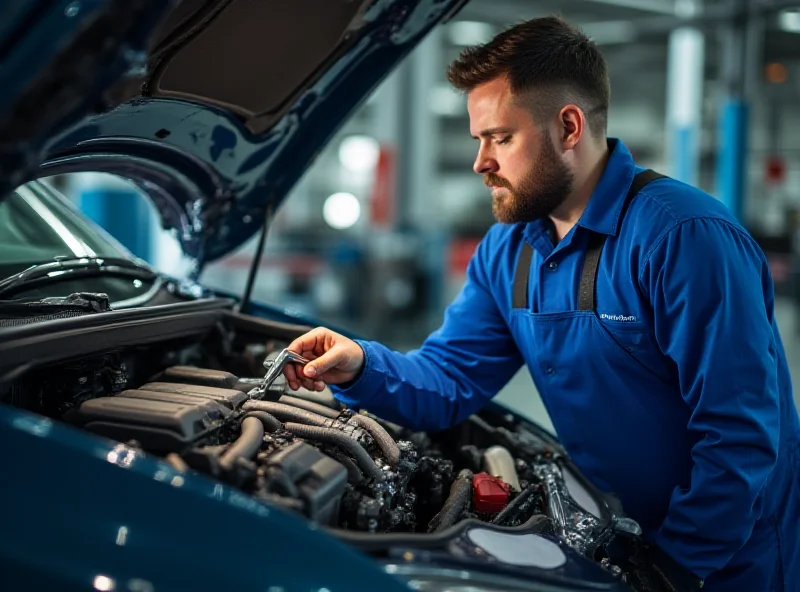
(275, 369)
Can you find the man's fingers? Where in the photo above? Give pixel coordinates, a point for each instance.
(311, 342)
(303, 343)
(310, 346)
(322, 364)
(290, 372)
(325, 351)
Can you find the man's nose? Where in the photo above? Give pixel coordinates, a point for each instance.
(484, 164)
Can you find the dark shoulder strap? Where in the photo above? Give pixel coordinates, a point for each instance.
(519, 297)
(591, 259)
(639, 182)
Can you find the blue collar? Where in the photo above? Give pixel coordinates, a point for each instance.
(602, 213)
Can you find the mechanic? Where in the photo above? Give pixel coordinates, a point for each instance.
(642, 308)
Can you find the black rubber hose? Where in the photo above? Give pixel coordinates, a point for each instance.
(382, 438)
(309, 406)
(513, 507)
(246, 445)
(354, 475)
(456, 503)
(288, 413)
(337, 438)
(385, 442)
(270, 422)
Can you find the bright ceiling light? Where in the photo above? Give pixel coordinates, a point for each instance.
(469, 33)
(359, 154)
(341, 210)
(103, 583)
(789, 20)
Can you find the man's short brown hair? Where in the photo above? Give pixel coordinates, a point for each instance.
(546, 56)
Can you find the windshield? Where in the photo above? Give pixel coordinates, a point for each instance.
(38, 224)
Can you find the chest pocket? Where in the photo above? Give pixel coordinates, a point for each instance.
(637, 340)
(634, 338)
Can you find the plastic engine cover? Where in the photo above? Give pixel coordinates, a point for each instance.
(490, 494)
(160, 426)
(230, 398)
(320, 480)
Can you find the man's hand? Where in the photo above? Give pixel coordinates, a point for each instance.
(335, 360)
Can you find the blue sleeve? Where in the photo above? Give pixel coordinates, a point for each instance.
(458, 369)
(712, 299)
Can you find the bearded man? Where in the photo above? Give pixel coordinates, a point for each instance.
(642, 308)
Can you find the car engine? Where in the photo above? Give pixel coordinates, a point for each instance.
(337, 467)
(351, 473)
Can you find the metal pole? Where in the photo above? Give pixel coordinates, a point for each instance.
(740, 42)
(685, 77)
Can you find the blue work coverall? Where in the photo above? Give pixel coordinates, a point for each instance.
(672, 392)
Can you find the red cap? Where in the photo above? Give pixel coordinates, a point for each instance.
(490, 494)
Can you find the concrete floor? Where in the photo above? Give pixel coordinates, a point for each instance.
(520, 393)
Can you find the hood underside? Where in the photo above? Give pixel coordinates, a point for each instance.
(222, 108)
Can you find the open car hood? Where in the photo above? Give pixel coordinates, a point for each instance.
(58, 60)
(214, 107)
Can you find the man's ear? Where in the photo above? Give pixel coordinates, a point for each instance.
(572, 122)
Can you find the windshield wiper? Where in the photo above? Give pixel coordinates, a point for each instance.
(70, 268)
(14, 312)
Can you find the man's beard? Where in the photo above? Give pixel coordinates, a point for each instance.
(542, 190)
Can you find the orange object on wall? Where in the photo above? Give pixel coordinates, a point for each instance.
(383, 202)
(775, 170)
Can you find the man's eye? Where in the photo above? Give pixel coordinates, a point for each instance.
(504, 140)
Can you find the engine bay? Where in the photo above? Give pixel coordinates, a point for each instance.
(199, 405)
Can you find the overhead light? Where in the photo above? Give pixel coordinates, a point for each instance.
(469, 33)
(103, 583)
(789, 20)
(359, 154)
(341, 210)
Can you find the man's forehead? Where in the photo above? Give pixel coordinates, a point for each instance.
(493, 106)
(494, 92)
